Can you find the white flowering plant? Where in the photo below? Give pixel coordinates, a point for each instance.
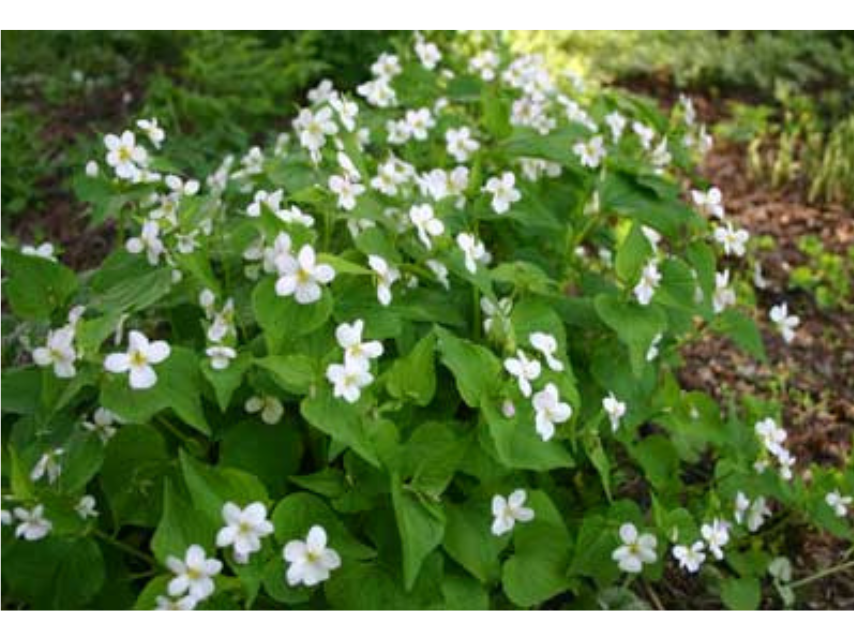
(421, 352)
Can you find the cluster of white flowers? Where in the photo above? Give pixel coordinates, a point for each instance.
(354, 374)
(548, 408)
(773, 438)
(221, 332)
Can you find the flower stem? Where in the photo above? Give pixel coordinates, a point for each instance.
(822, 573)
(124, 547)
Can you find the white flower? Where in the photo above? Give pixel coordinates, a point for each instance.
(272, 200)
(473, 250)
(709, 202)
(347, 111)
(349, 379)
(124, 155)
(753, 514)
(313, 128)
(346, 190)
(32, 525)
(138, 360)
(716, 535)
(460, 144)
(652, 350)
(45, 250)
(646, 134)
(311, 561)
(103, 424)
(153, 130)
(732, 240)
(772, 436)
(508, 511)
(661, 156)
(387, 66)
(615, 410)
(349, 337)
(546, 344)
(485, 63)
(496, 313)
(92, 169)
(785, 322)
(181, 188)
(148, 241)
(617, 123)
(649, 281)
(386, 277)
(221, 356)
(636, 550)
(390, 176)
(838, 503)
(243, 529)
(590, 153)
(549, 410)
(49, 464)
(786, 461)
(419, 122)
(378, 92)
(503, 191)
(194, 575)
(440, 271)
(426, 223)
(270, 407)
(301, 276)
(85, 507)
(184, 603)
(428, 53)
(692, 558)
(525, 370)
(724, 295)
(58, 351)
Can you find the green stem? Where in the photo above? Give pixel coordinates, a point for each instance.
(124, 547)
(821, 574)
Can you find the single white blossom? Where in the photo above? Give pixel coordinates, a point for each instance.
(426, 223)
(709, 202)
(733, 240)
(524, 370)
(636, 549)
(386, 277)
(153, 130)
(349, 379)
(243, 529)
(349, 337)
(346, 190)
(125, 156)
(785, 322)
(59, 352)
(103, 424)
(138, 360)
(838, 503)
(49, 464)
(460, 143)
(504, 192)
(270, 407)
(301, 277)
(194, 574)
(148, 241)
(85, 507)
(549, 410)
(473, 250)
(724, 295)
(428, 53)
(546, 344)
(615, 410)
(45, 250)
(32, 524)
(311, 561)
(690, 558)
(590, 153)
(507, 511)
(221, 356)
(716, 535)
(648, 283)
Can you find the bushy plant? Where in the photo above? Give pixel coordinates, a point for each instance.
(422, 353)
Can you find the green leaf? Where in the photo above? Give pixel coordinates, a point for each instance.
(35, 287)
(741, 593)
(83, 458)
(270, 452)
(178, 388)
(226, 381)
(297, 513)
(475, 368)
(136, 463)
(743, 331)
(135, 293)
(542, 550)
(341, 421)
(431, 456)
(53, 573)
(421, 525)
(518, 446)
(632, 254)
(469, 539)
(294, 372)
(660, 462)
(22, 389)
(181, 526)
(281, 316)
(461, 592)
(636, 325)
(412, 378)
(212, 487)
